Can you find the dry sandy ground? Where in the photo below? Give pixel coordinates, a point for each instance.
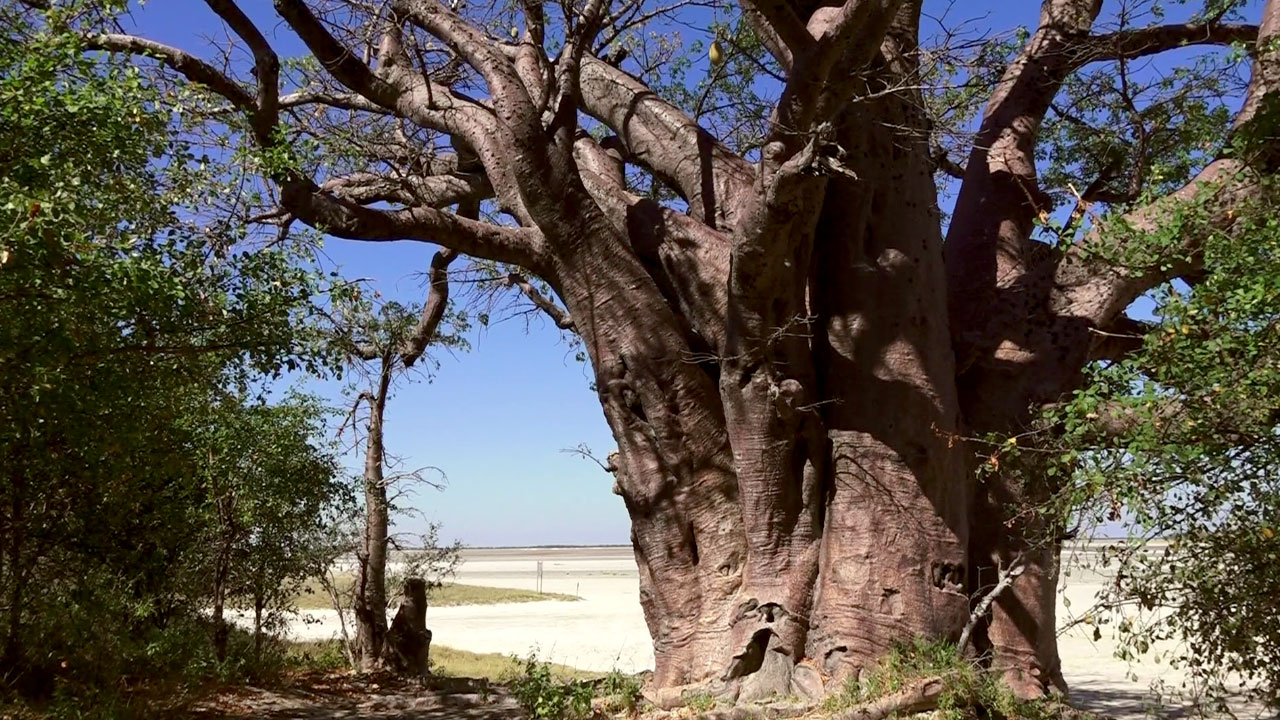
(606, 629)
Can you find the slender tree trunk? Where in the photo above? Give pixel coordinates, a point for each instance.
(222, 574)
(259, 605)
(220, 630)
(371, 584)
(12, 658)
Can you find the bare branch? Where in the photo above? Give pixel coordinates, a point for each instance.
(919, 696)
(659, 136)
(1008, 576)
(437, 191)
(557, 314)
(338, 59)
(193, 68)
(341, 218)
(342, 101)
(1120, 339)
(266, 66)
(1139, 42)
(432, 310)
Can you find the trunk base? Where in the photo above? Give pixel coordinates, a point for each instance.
(407, 648)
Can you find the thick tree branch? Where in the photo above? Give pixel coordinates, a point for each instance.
(341, 101)
(517, 246)
(399, 91)
(434, 190)
(846, 35)
(564, 124)
(510, 97)
(335, 57)
(988, 239)
(266, 67)
(432, 311)
(782, 22)
(1092, 282)
(769, 36)
(1140, 42)
(193, 68)
(662, 138)
(1229, 187)
(688, 260)
(987, 244)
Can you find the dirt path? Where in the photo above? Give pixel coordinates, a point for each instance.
(337, 697)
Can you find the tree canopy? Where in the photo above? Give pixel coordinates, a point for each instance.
(816, 277)
(146, 474)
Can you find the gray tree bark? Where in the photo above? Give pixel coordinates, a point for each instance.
(370, 607)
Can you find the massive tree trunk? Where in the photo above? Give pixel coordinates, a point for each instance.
(812, 503)
(792, 369)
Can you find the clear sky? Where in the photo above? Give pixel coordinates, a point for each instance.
(497, 420)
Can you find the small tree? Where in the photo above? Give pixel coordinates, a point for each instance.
(383, 346)
(126, 320)
(268, 489)
(1178, 444)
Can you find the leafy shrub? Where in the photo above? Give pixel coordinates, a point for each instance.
(700, 701)
(967, 688)
(621, 691)
(546, 698)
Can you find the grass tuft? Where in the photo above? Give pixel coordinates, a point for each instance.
(313, 597)
(967, 687)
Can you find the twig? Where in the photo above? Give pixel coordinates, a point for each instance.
(331, 586)
(1007, 577)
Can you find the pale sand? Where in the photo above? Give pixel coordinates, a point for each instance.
(606, 629)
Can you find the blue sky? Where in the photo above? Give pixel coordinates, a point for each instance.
(496, 420)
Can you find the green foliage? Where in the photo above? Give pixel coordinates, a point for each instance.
(968, 691)
(134, 340)
(700, 701)
(621, 692)
(268, 496)
(1178, 442)
(545, 697)
(323, 656)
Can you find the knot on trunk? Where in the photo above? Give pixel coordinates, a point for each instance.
(768, 663)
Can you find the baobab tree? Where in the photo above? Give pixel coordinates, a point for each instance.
(793, 362)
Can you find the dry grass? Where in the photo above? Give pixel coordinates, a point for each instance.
(313, 596)
(445, 661)
(493, 666)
